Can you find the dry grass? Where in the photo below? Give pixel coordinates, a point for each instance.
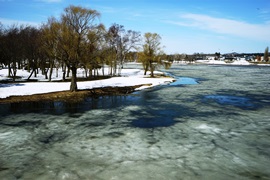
(72, 97)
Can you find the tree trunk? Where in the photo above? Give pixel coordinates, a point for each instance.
(115, 68)
(51, 71)
(73, 85)
(152, 68)
(19, 65)
(9, 70)
(111, 70)
(86, 70)
(146, 69)
(14, 74)
(68, 71)
(50, 74)
(46, 73)
(90, 72)
(37, 71)
(152, 71)
(31, 74)
(103, 70)
(64, 73)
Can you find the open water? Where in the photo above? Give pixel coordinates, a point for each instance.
(212, 123)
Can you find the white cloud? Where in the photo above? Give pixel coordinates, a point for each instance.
(225, 26)
(9, 22)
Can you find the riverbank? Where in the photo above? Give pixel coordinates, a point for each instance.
(72, 97)
(131, 80)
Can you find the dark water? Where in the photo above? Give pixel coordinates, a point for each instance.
(212, 123)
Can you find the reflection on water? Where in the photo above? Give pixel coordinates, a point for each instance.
(58, 107)
(217, 129)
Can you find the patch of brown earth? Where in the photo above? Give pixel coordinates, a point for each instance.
(72, 97)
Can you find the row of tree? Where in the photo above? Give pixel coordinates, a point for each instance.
(76, 40)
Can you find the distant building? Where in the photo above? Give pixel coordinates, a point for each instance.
(210, 58)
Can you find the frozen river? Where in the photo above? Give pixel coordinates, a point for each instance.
(212, 123)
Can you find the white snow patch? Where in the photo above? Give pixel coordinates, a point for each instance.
(131, 77)
(240, 62)
(211, 62)
(208, 128)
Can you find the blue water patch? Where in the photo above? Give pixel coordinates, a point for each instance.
(155, 118)
(184, 81)
(5, 85)
(152, 122)
(237, 101)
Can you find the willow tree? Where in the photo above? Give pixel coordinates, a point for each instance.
(75, 25)
(151, 51)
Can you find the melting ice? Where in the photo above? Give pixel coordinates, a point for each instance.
(172, 132)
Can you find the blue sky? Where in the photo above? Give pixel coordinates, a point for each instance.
(186, 26)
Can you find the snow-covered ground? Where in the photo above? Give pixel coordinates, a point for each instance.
(237, 62)
(210, 62)
(241, 62)
(130, 77)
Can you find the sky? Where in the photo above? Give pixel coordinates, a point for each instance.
(185, 26)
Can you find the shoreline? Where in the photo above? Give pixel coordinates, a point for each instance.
(73, 97)
(134, 78)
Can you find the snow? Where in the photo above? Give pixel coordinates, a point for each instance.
(241, 62)
(130, 77)
(211, 62)
(236, 62)
(208, 129)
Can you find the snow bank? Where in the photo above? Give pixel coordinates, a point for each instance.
(237, 62)
(210, 62)
(240, 62)
(131, 77)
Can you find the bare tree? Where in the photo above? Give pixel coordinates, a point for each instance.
(31, 45)
(18, 45)
(12, 49)
(121, 42)
(2, 44)
(49, 37)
